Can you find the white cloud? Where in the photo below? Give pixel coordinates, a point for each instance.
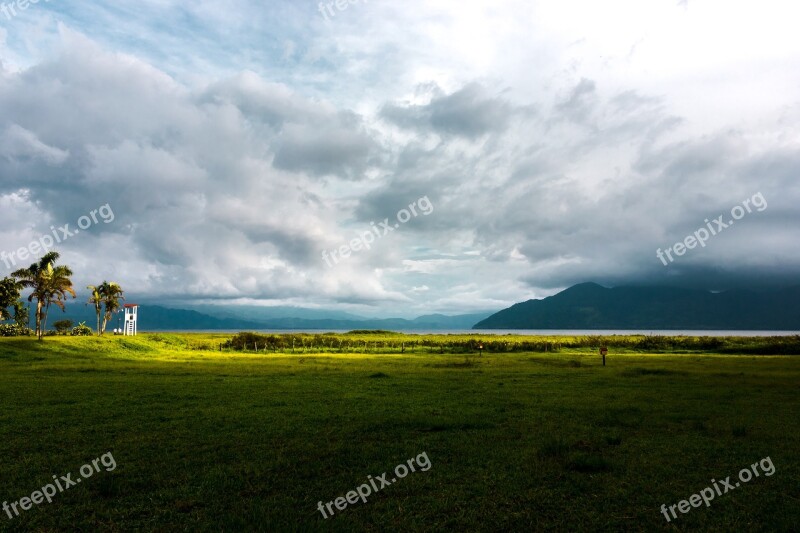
(559, 142)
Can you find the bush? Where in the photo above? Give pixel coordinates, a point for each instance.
(241, 341)
(15, 330)
(655, 342)
(63, 326)
(82, 330)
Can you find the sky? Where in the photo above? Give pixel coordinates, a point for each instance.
(401, 158)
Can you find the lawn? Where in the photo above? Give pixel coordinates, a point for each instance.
(235, 441)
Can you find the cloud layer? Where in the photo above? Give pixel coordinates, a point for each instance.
(554, 151)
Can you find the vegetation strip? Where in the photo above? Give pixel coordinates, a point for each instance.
(390, 342)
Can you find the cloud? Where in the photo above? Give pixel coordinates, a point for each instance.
(18, 143)
(234, 148)
(578, 106)
(469, 112)
(338, 148)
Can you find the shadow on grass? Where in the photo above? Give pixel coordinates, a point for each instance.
(436, 428)
(581, 456)
(626, 417)
(588, 464)
(636, 372)
(455, 364)
(572, 363)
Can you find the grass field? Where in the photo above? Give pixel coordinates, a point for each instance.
(521, 441)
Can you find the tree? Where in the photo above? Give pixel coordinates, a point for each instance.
(111, 294)
(9, 296)
(22, 314)
(96, 299)
(49, 284)
(64, 326)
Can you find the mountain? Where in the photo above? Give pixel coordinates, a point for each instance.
(448, 322)
(160, 318)
(429, 322)
(154, 318)
(590, 306)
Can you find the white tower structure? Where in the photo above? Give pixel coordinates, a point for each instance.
(131, 315)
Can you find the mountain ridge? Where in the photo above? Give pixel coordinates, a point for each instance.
(159, 318)
(592, 306)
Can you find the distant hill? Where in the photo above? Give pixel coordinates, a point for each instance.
(154, 318)
(428, 322)
(590, 306)
(159, 318)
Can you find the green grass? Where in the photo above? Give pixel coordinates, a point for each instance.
(230, 441)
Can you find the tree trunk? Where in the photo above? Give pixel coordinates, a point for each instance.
(44, 321)
(39, 319)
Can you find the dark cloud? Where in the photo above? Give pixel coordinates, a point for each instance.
(339, 148)
(469, 112)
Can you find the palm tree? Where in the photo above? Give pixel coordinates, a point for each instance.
(97, 300)
(111, 294)
(50, 285)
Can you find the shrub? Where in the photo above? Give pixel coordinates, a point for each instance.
(15, 330)
(655, 342)
(246, 340)
(82, 330)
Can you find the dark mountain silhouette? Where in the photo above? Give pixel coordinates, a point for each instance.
(590, 306)
(159, 318)
(155, 318)
(429, 322)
